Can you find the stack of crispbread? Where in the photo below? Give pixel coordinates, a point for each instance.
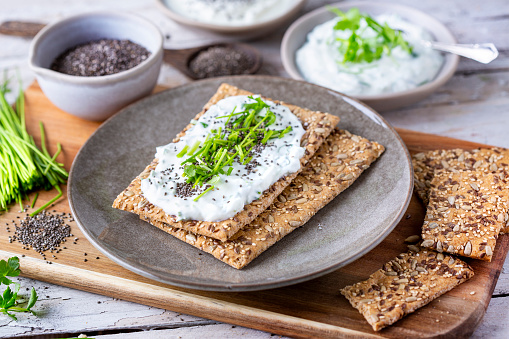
(333, 160)
(467, 197)
(318, 126)
(335, 166)
(427, 164)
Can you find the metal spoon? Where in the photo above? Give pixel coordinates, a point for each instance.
(484, 53)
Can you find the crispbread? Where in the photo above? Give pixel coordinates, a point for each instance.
(427, 163)
(465, 213)
(318, 125)
(335, 166)
(408, 282)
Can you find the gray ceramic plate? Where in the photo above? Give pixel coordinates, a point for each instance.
(347, 228)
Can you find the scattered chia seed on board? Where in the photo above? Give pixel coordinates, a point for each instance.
(100, 57)
(219, 61)
(43, 232)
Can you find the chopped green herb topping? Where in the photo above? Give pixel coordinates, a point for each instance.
(355, 48)
(243, 134)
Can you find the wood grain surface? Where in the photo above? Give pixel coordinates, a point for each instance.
(311, 309)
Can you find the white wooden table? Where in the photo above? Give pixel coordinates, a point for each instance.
(473, 106)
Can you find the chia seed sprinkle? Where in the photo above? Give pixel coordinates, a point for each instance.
(184, 190)
(100, 57)
(43, 232)
(219, 61)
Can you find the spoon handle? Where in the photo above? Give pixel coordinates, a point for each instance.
(484, 53)
(21, 28)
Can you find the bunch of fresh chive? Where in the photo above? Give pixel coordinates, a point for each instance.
(243, 131)
(23, 166)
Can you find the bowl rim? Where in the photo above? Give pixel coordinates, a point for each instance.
(444, 74)
(228, 28)
(95, 80)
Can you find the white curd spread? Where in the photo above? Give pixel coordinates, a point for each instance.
(230, 12)
(246, 183)
(320, 61)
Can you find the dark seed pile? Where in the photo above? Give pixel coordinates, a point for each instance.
(43, 232)
(186, 190)
(100, 57)
(220, 60)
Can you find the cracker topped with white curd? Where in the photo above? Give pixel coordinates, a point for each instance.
(228, 165)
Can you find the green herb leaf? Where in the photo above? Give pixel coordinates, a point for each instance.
(214, 180)
(33, 299)
(4, 87)
(190, 171)
(183, 152)
(356, 49)
(204, 192)
(9, 268)
(351, 19)
(256, 106)
(9, 297)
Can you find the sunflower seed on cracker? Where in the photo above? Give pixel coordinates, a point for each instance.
(470, 227)
(424, 278)
(426, 164)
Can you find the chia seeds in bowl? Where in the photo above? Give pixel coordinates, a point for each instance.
(100, 57)
(220, 61)
(96, 97)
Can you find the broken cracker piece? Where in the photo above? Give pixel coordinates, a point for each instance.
(404, 284)
(465, 213)
(336, 165)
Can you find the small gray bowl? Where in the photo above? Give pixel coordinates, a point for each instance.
(297, 33)
(97, 97)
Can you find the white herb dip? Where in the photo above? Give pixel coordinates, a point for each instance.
(230, 12)
(320, 61)
(279, 157)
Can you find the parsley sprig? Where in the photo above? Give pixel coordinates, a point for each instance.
(9, 298)
(242, 132)
(355, 48)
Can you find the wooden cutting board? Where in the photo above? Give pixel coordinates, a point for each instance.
(310, 309)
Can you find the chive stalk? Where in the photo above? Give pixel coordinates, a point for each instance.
(236, 141)
(23, 166)
(35, 199)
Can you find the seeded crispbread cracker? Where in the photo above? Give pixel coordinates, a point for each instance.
(318, 126)
(465, 213)
(489, 160)
(336, 165)
(427, 163)
(404, 284)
